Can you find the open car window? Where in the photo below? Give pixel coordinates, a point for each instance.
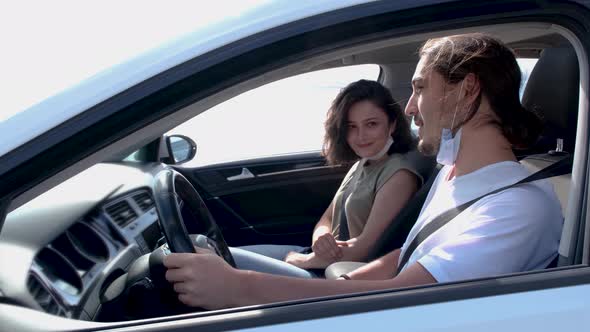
(255, 122)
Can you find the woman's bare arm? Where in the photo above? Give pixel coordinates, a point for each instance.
(324, 225)
(389, 201)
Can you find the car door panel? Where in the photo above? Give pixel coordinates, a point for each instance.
(275, 200)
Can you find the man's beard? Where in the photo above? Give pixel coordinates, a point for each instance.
(428, 148)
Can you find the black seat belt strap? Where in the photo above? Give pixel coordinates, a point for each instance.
(563, 166)
(344, 234)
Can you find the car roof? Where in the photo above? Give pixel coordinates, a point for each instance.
(69, 103)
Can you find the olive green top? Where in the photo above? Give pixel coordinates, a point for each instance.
(363, 181)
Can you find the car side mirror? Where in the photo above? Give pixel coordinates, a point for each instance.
(181, 148)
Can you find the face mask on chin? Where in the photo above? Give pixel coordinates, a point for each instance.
(449, 144)
(449, 147)
(383, 151)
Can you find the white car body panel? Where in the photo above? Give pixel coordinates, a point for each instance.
(558, 309)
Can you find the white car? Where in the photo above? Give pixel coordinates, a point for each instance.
(78, 170)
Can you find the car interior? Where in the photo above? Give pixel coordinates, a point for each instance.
(81, 250)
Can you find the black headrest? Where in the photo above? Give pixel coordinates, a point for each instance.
(552, 92)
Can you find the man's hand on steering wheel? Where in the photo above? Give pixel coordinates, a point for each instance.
(168, 188)
(203, 279)
(200, 277)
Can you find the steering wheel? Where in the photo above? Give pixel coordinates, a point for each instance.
(144, 292)
(170, 189)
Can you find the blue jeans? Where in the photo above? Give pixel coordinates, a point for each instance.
(268, 258)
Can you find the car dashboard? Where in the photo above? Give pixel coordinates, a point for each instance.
(60, 251)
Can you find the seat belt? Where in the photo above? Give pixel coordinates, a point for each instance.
(344, 234)
(563, 166)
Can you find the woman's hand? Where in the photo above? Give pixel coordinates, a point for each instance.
(298, 259)
(307, 261)
(326, 248)
(203, 279)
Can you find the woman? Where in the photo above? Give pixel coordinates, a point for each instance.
(364, 126)
(465, 101)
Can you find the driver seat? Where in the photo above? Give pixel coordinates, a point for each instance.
(557, 104)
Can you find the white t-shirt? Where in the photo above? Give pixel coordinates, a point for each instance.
(515, 230)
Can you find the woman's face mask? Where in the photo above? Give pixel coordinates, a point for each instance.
(368, 130)
(383, 151)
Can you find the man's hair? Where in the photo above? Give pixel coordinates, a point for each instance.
(495, 66)
(336, 148)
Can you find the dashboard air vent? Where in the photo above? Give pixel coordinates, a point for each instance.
(82, 246)
(144, 201)
(43, 297)
(121, 213)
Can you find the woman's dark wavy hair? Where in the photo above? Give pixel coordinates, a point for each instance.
(499, 77)
(336, 148)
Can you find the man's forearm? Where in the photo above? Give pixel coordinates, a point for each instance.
(264, 288)
(259, 288)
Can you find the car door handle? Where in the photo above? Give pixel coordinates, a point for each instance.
(246, 174)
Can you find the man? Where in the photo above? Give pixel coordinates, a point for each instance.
(465, 102)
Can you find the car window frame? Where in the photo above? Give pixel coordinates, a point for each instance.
(332, 306)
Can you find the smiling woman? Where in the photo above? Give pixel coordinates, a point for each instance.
(364, 127)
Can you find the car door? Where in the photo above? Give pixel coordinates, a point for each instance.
(546, 300)
(274, 200)
(263, 177)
